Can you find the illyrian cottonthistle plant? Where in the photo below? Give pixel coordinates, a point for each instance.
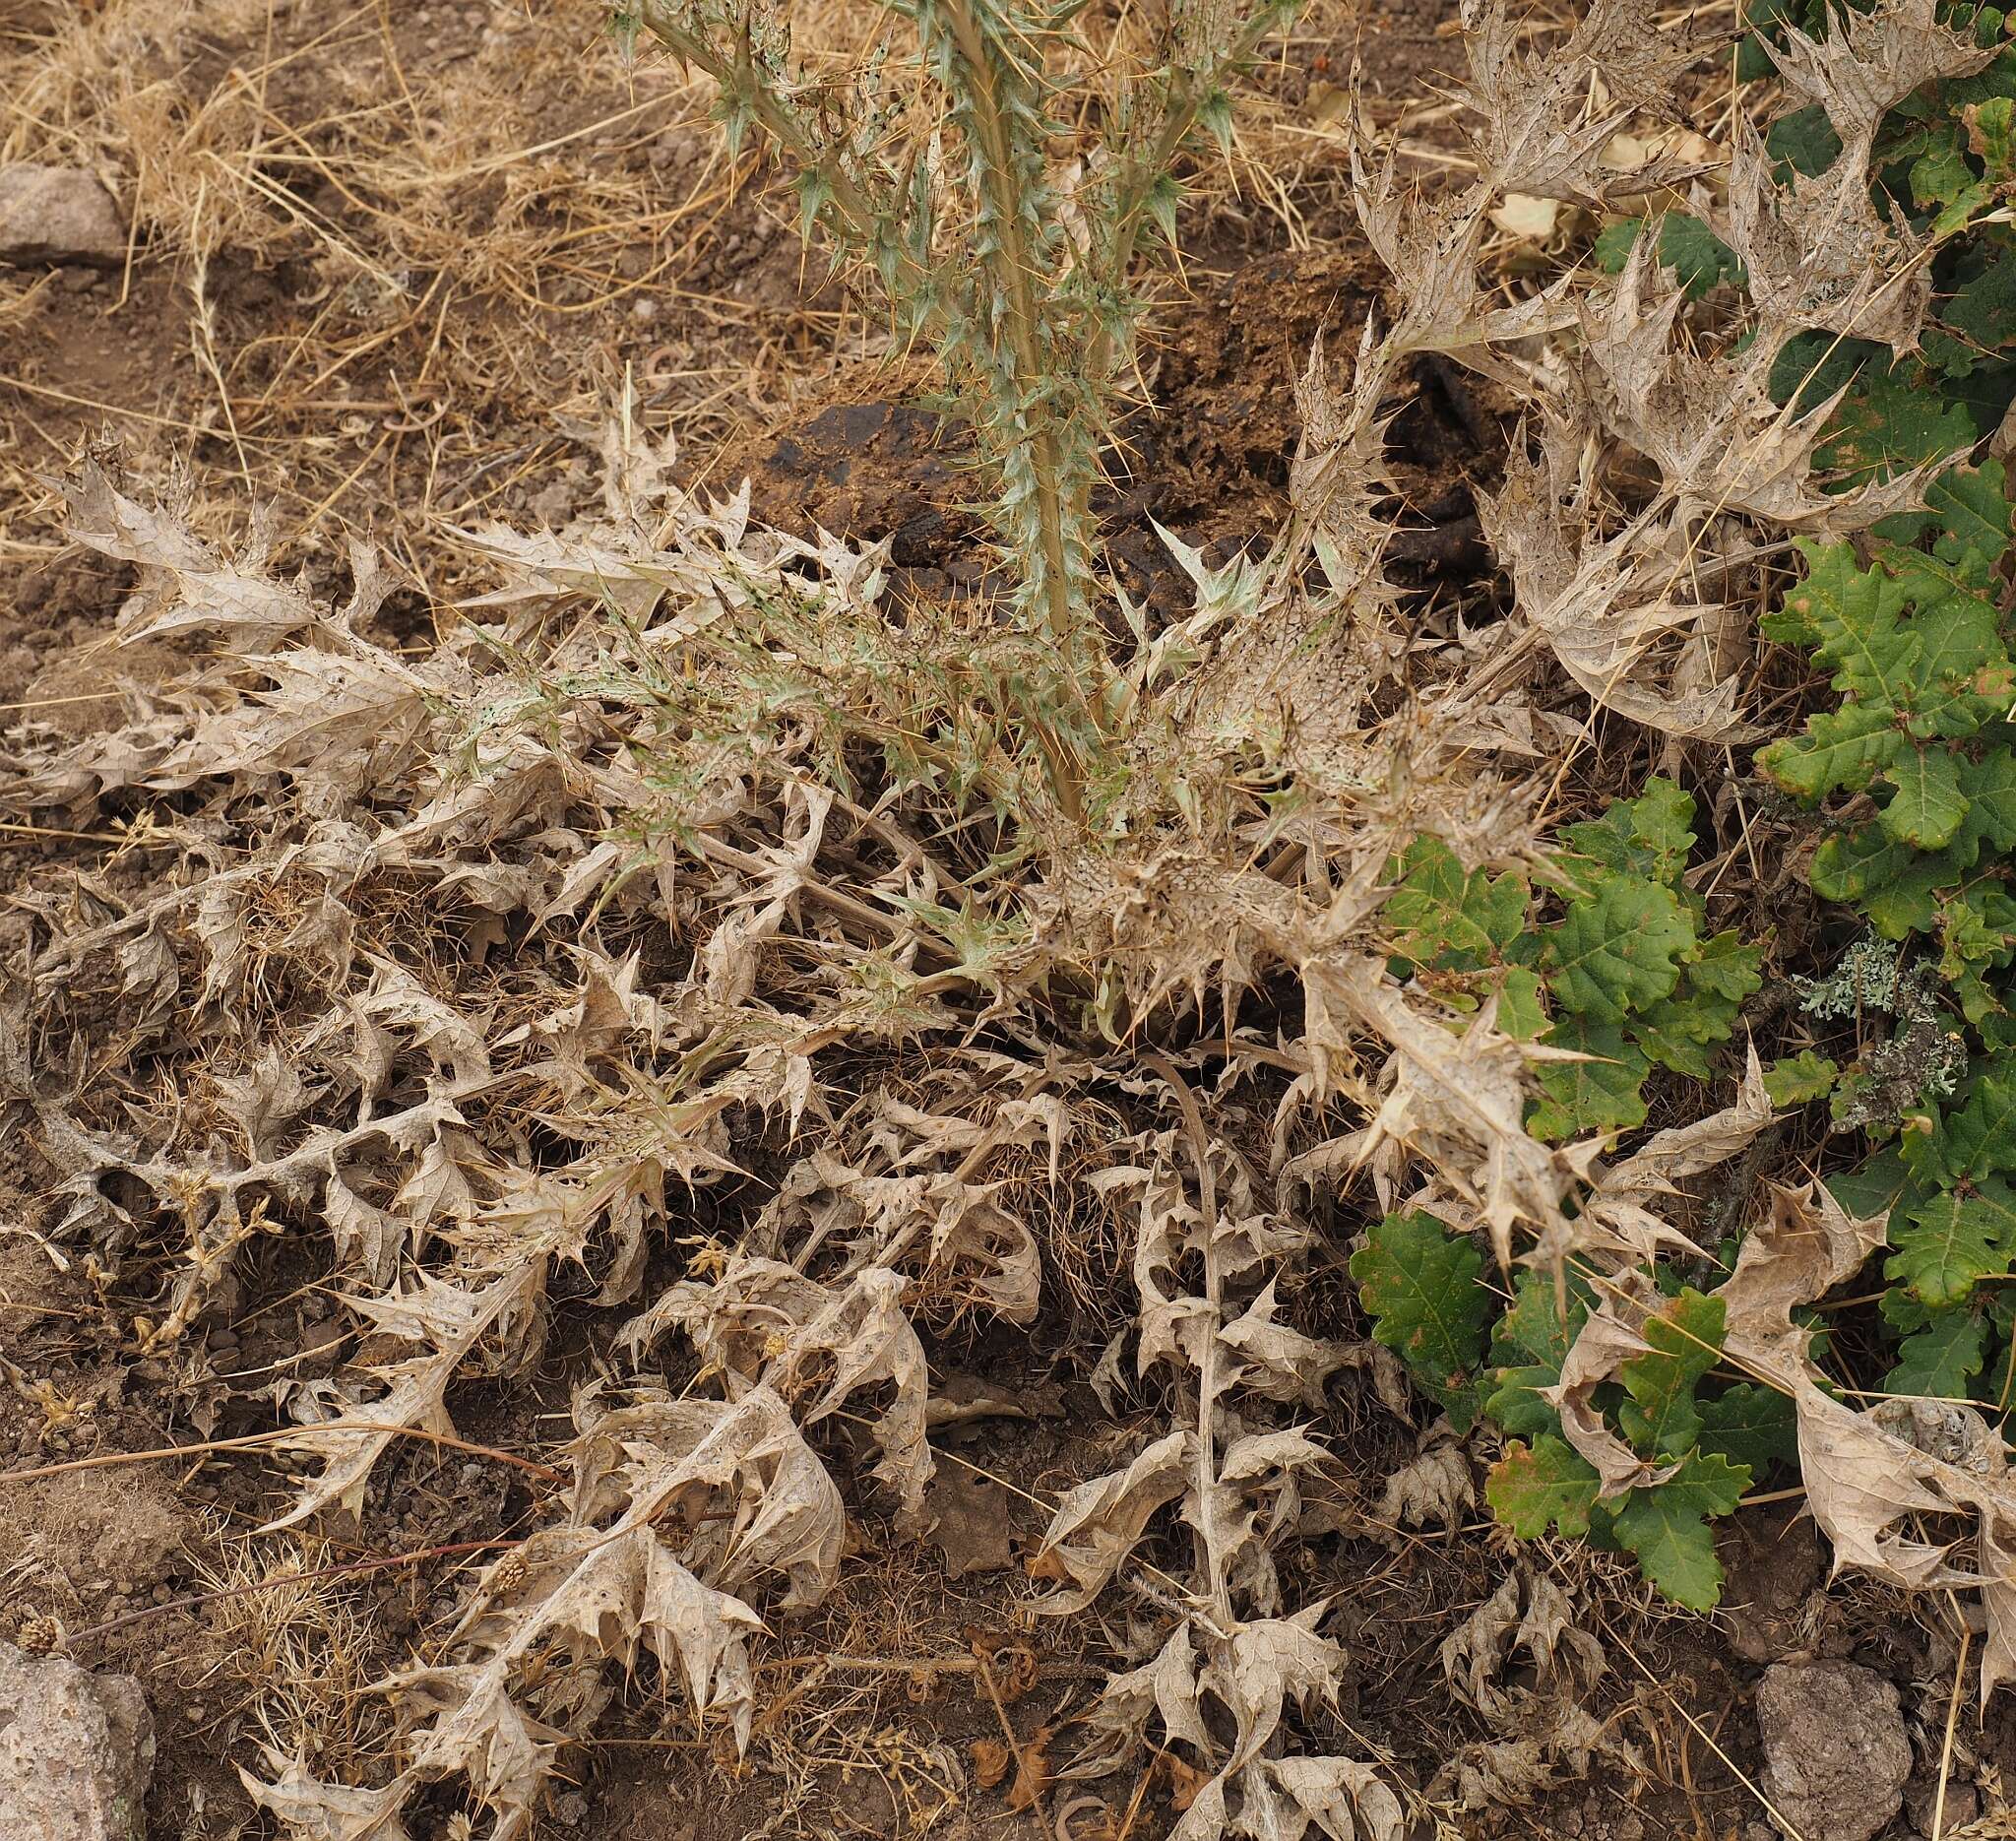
(996, 235)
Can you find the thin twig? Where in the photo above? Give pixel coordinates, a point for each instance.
(1946, 1744)
(252, 1441)
(1042, 1815)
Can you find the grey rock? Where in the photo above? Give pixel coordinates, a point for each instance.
(1836, 1755)
(58, 214)
(76, 1752)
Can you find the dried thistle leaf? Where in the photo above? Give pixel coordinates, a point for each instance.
(1097, 1524)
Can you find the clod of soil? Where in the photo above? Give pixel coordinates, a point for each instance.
(56, 213)
(76, 1752)
(1836, 1757)
(971, 1521)
(1769, 1603)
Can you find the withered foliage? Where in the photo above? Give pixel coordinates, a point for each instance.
(695, 896)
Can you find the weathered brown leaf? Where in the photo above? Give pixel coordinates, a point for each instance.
(1099, 1523)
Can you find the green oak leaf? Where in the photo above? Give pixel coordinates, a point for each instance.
(1927, 806)
(1751, 1426)
(1592, 1096)
(1547, 1485)
(1420, 1285)
(1976, 1139)
(1948, 1243)
(1941, 1358)
(1522, 1014)
(1799, 1078)
(1649, 836)
(1841, 751)
(1666, 1528)
(1659, 1414)
(1530, 1342)
(1618, 950)
(1450, 917)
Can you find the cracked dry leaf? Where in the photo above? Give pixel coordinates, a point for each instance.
(1435, 1488)
(1097, 1524)
(1255, 1497)
(545, 1616)
(1432, 252)
(185, 583)
(1528, 1611)
(1818, 253)
(975, 1243)
(765, 1324)
(1616, 1219)
(263, 1099)
(1708, 423)
(1458, 1100)
(1603, 606)
(1540, 134)
(1166, 1686)
(1869, 62)
(739, 1480)
(1251, 1673)
(434, 1312)
(1550, 1740)
(368, 1239)
(316, 1811)
(1277, 1363)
